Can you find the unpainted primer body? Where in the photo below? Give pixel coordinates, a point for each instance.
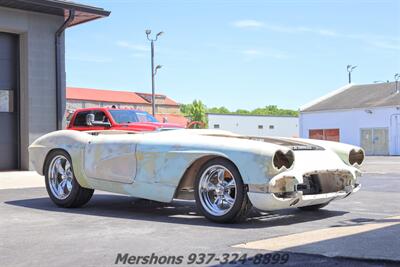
(162, 166)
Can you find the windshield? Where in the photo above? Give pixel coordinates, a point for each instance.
(128, 116)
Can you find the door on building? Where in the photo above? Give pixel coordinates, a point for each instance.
(375, 141)
(9, 96)
(325, 134)
(395, 136)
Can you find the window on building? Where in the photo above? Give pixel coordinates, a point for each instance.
(260, 127)
(325, 134)
(271, 127)
(216, 126)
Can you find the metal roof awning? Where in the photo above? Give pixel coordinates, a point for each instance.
(83, 13)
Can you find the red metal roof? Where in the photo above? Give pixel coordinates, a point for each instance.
(87, 94)
(165, 100)
(172, 118)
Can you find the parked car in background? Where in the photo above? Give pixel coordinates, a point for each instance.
(108, 118)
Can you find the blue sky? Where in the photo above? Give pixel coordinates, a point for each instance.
(238, 54)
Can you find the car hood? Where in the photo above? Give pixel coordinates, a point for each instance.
(292, 143)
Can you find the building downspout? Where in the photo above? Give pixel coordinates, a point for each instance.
(59, 32)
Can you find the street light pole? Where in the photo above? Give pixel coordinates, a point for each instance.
(396, 78)
(153, 71)
(350, 68)
(153, 94)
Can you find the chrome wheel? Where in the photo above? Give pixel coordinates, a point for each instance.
(60, 177)
(217, 190)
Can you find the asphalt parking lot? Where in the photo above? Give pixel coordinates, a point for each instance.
(361, 230)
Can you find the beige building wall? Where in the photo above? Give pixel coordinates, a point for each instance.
(37, 73)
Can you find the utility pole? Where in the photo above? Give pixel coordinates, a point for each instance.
(350, 68)
(153, 70)
(396, 78)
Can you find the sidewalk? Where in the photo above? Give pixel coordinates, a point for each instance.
(20, 179)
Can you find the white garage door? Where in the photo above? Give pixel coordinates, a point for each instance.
(395, 130)
(375, 141)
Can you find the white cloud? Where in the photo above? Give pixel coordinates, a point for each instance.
(384, 42)
(135, 47)
(299, 29)
(248, 23)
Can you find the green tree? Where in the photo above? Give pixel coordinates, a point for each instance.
(185, 108)
(242, 111)
(197, 108)
(197, 111)
(220, 110)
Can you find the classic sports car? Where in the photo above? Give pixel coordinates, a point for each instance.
(225, 173)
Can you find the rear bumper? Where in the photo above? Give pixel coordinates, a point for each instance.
(269, 201)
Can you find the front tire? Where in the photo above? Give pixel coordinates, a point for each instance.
(221, 195)
(61, 185)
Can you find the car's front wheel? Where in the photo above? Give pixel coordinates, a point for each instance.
(220, 192)
(62, 187)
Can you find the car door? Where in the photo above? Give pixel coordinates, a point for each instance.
(111, 158)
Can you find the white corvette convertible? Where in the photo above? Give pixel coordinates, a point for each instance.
(225, 173)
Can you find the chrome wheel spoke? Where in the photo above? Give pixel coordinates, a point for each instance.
(221, 174)
(59, 167)
(229, 200)
(211, 187)
(69, 184)
(218, 201)
(61, 188)
(231, 184)
(67, 168)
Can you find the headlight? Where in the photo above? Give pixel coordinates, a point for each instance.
(282, 159)
(356, 157)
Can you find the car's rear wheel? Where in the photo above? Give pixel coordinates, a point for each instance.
(62, 187)
(313, 207)
(220, 192)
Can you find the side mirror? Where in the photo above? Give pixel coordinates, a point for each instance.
(91, 122)
(89, 119)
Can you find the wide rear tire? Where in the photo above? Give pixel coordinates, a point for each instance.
(61, 185)
(221, 195)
